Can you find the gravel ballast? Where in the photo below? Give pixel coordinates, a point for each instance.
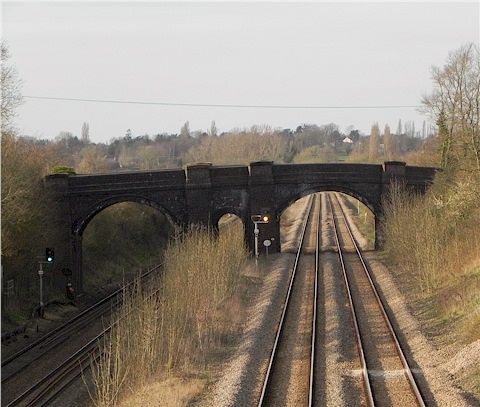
(240, 381)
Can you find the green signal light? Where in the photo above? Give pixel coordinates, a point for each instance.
(49, 255)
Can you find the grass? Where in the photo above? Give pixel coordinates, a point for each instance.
(160, 336)
(174, 392)
(363, 218)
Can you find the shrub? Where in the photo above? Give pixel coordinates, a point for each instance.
(63, 170)
(435, 237)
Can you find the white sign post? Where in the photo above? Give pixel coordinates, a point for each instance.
(267, 243)
(255, 232)
(40, 276)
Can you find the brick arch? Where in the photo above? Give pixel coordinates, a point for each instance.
(334, 188)
(80, 223)
(216, 216)
(375, 209)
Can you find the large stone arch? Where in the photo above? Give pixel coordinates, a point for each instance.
(312, 189)
(80, 223)
(282, 206)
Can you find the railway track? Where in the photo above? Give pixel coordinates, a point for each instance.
(386, 375)
(294, 347)
(378, 373)
(39, 373)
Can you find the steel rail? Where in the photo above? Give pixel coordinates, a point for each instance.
(58, 331)
(398, 347)
(52, 341)
(314, 313)
(43, 388)
(361, 354)
(285, 306)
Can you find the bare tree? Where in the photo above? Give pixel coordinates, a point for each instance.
(86, 133)
(185, 130)
(23, 163)
(454, 104)
(373, 145)
(409, 128)
(387, 142)
(399, 128)
(11, 86)
(92, 161)
(213, 131)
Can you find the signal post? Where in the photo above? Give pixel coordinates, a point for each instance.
(265, 224)
(48, 259)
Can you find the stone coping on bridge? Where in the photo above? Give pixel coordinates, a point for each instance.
(209, 174)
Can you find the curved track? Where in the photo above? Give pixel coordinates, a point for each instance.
(58, 358)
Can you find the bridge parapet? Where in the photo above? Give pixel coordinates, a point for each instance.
(394, 168)
(166, 179)
(352, 173)
(261, 173)
(56, 183)
(414, 178)
(228, 176)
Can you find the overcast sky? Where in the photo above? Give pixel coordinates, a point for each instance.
(240, 64)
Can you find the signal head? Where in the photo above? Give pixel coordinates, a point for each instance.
(49, 255)
(266, 215)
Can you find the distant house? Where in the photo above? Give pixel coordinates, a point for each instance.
(348, 140)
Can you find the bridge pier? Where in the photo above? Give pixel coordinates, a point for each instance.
(261, 187)
(198, 193)
(67, 265)
(413, 179)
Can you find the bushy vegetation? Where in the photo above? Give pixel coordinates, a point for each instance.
(63, 170)
(435, 241)
(133, 235)
(173, 330)
(24, 225)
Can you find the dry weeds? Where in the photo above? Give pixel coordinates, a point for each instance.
(435, 242)
(156, 337)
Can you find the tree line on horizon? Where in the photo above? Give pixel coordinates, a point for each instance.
(308, 143)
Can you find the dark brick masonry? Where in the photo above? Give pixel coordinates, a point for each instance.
(202, 194)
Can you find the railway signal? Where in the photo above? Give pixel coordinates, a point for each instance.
(49, 255)
(263, 217)
(266, 215)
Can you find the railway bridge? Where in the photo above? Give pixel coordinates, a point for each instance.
(201, 194)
